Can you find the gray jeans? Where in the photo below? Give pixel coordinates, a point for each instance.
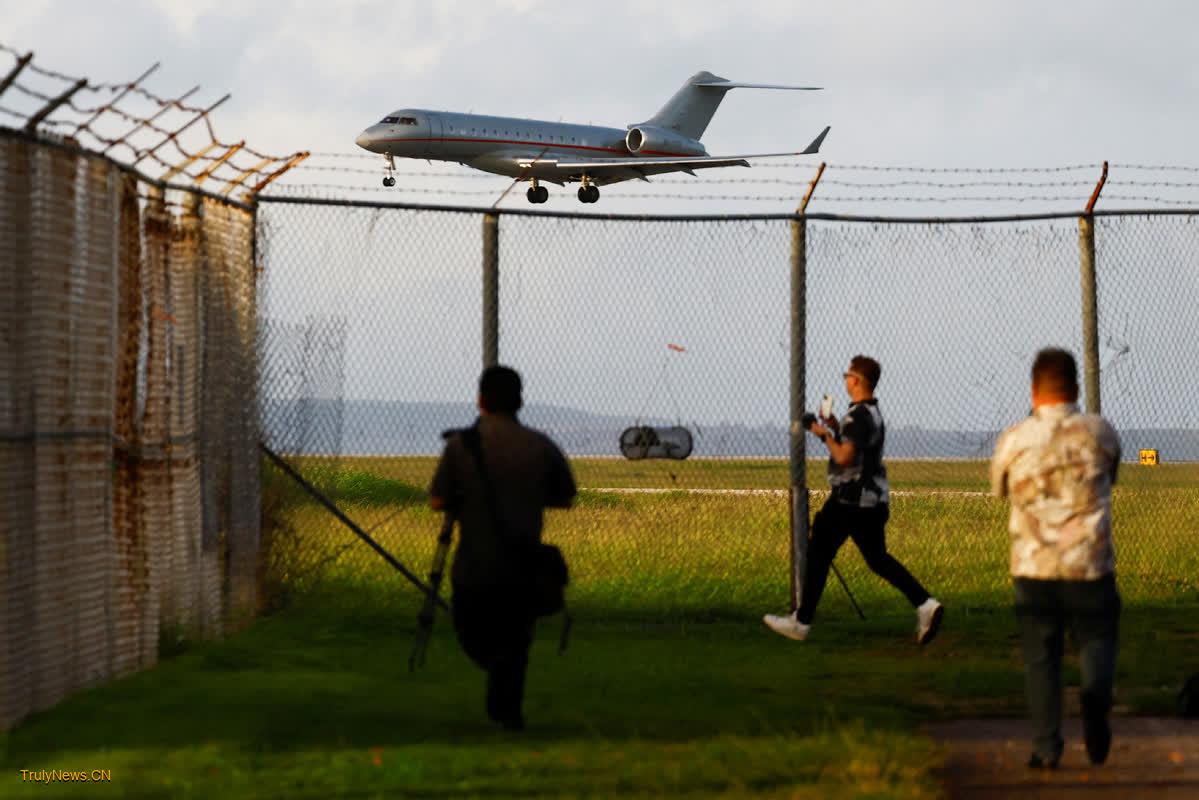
(1090, 610)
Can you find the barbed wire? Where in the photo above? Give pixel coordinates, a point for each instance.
(950, 170)
(1156, 167)
(1167, 184)
(1069, 185)
(295, 189)
(164, 122)
(957, 184)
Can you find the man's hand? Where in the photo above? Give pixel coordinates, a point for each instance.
(842, 452)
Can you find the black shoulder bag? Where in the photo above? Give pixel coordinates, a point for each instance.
(544, 572)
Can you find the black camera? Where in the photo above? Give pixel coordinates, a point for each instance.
(807, 420)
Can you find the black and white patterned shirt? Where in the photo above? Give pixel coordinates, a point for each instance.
(863, 482)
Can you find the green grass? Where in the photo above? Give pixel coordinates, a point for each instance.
(671, 685)
(318, 703)
(750, 473)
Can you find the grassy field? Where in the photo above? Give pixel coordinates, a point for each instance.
(749, 473)
(703, 547)
(671, 685)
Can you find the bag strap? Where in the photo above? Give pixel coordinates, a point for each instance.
(474, 446)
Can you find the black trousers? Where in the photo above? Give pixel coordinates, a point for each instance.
(496, 633)
(833, 524)
(1090, 611)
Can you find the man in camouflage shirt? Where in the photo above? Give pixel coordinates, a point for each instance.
(1057, 467)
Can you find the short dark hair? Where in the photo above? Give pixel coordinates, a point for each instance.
(868, 368)
(1055, 371)
(499, 390)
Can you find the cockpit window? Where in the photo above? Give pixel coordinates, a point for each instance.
(400, 121)
(408, 120)
(391, 120)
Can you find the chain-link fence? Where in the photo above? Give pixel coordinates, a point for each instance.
(375, 328)
(128, 420)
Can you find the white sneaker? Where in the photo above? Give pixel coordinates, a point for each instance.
(928, 620)
(788, 626)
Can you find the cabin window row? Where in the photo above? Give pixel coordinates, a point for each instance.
(493, 132)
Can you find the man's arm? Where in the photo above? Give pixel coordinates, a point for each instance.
(999, 465)
(442, 487)
(1114, 448)
(561, 490)
(842, 452)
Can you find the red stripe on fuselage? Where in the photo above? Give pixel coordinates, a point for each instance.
(545, 145)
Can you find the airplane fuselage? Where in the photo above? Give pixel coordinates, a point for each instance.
(498, 144)
(557, 152)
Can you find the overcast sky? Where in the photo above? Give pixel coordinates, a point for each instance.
(982, 84)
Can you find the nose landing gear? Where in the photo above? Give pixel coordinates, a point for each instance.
(389, 180)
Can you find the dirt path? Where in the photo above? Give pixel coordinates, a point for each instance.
(1153, 757)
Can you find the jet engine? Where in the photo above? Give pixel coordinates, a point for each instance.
(651, 140)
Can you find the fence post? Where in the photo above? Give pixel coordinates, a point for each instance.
(1090, 300)
(799, 482)
(1090, 312)
(491, 290)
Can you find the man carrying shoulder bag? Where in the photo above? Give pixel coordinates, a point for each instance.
(498, 477)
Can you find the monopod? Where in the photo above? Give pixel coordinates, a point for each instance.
(845, 586)
(425, 617)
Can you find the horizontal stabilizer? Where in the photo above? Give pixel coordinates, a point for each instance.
(722, 84)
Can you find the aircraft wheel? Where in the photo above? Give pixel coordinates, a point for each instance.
(583, 194)
(389, 182)
(543, 194)
(532, 195)
(589, 193)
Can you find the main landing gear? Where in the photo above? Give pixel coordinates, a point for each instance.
(389, 181)
(537, 193)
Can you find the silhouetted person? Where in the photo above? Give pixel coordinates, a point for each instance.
(500, 514)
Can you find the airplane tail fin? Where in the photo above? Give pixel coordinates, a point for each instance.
(691, 108)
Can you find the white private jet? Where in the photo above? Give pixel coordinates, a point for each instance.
(555, 152)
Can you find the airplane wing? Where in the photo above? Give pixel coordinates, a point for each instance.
(612, 170)
(623, 169)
